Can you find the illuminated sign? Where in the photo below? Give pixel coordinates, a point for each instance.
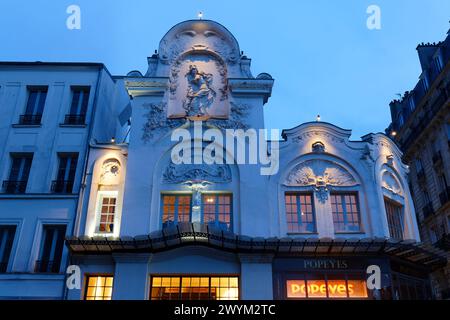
(333, 289)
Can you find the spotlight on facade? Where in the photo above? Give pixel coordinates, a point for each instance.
(318, 118)
(200, 15)
(393, 133)
(113, 140)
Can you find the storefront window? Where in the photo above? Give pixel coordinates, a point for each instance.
(300, 213)
(194, 288)
(99, 288)
(345, 212)
(334, 287)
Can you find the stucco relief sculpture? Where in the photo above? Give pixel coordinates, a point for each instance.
(199, 80)
(110, 172)
(157, 121)
(390, 183)
(200, 94)
(321, 175)
(193, 172)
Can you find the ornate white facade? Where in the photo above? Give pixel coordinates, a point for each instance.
(140, 217)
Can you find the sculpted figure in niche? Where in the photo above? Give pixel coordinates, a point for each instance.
(200, 95)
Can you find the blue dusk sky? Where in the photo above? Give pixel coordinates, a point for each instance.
(323, 57)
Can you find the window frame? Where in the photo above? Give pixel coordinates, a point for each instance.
(342, 194)
(98, 208)
(96, 275)
(217, 221)
(3, 247)
(175, 215)
(181, 276)
(52, 254)
(401, 208)
(35, 108)
(297, 195)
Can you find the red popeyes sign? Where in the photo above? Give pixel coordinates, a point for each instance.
(320, 288)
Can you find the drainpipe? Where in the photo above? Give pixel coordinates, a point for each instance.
(80, 202)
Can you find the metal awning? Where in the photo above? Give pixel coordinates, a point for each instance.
(201, 234)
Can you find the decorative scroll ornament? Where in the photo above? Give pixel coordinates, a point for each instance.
(322, 175)
(197, 172)
(157, 121)
(237, 118)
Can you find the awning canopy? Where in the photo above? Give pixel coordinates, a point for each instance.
(201, 234)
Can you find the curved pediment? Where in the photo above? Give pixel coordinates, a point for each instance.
(203, 35)
(319, 172)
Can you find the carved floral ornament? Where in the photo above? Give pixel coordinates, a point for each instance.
(321, 175)
(157, 123)
(175, 174)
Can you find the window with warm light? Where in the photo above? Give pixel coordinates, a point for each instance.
(300, 213)
(194, 288)
(176, 208)
(217, 210)
(99, 288)
(345, 211)
(394, 214)
(106, 211)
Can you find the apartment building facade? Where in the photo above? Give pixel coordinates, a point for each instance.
(46, 126)
(421, 128)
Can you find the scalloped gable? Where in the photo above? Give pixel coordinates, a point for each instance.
(314, 172)
(308, 130)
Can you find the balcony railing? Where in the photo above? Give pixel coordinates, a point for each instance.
(212, 224)
(30, 119)
(427, 210)
(444, 196)
(47, 266)
(75, 119)
(62, 186)
(10, 186)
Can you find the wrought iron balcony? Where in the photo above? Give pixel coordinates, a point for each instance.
(444, 196)
(75, 119)
(30, 119)
(47, 266)
(10, 186)
(62, 186)
(215, 225)
(428, 210)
